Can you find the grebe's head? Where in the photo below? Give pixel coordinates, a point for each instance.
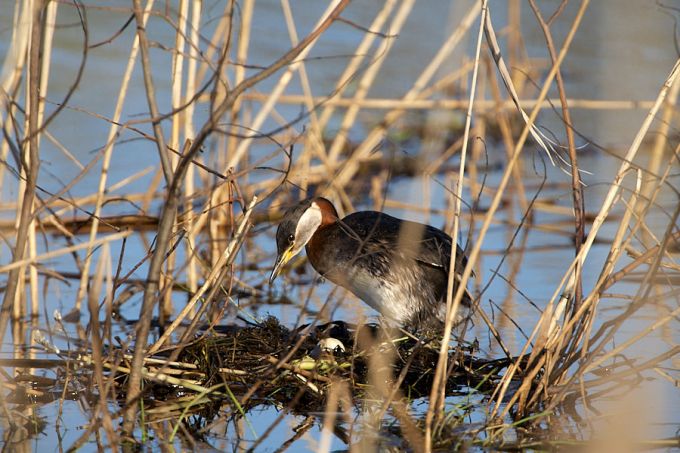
(298, 226)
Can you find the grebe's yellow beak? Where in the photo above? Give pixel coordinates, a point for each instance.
(281, 261)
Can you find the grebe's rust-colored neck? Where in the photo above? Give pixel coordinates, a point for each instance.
(317, 252)
(328, 213)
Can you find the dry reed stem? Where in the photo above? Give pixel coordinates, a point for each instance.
(351, 165)
(149, 87)
(61, 207)
(176, 75)
(640, 297)
(167, 223)
(48, 35)
(351, 69)
(155, 376)
(256, 124)
(320, 172)
(239, 68)
(63, 251)
(393, 397)
(51, 363)
(108, 152)
(437, 395)
(623, 169)
(313, 136)
(18, 310)
(61, 147)
(177, 120)
(481, 105)
(277, 91)
(630, 341)
(329, 417)
(367, 79)
(213, 278)
(611, 279)
(661, 139)
(221, 33)
(189, 134)
(98, 347)
(502, 117)
(478, 146)
(577, 189)
(510, 88)
(31, 159)
(617, 246)
(599, 220)
(17, 51)
(506, 175)
(313, 140)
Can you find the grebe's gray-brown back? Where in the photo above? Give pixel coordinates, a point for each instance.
(398, 267)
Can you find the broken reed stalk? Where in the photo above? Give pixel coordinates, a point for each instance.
(505, 127)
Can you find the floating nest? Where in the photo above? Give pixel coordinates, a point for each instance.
(266, 364)
(271, 364)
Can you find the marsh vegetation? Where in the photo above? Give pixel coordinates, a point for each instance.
(149, 149)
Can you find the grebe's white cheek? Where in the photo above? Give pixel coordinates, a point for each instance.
(306, 227)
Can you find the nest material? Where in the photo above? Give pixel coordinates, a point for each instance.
(273, 362)
(269, 364)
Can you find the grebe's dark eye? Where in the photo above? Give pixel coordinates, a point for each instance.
(291, 238)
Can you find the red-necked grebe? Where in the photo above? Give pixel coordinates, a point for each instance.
(398, 267)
